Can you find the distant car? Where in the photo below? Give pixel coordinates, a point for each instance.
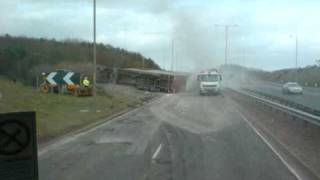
(292, 88)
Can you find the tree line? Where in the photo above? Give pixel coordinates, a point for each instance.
(306, 76)
(21, 58)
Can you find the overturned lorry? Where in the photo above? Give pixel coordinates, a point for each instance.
(153, 80)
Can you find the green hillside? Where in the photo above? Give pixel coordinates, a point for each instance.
(21, 58)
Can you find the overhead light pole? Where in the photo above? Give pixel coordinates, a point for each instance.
(243, 51)
(172, 53)
(226, 26)
(296, 51)
(296, 54)
(172, 59)
(94, 89)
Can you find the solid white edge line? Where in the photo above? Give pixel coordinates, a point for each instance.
(275, 151)
(156, 153)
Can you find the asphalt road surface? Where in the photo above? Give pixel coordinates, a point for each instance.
(310, 97)
(183, 136)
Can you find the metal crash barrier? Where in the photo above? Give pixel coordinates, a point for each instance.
(276, 103)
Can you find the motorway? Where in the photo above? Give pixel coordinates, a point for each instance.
(181, 136)
(310, 97)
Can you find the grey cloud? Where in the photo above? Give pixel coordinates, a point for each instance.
(149, 6)
(198, 43)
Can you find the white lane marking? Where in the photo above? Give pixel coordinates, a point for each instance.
(275, 151)
(156, 153)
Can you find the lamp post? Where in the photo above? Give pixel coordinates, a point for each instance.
(296, 51)
(94, 89)
(296, 54)
(243, 51)
(226, 26)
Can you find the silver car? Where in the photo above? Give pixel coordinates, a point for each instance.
(292, 88)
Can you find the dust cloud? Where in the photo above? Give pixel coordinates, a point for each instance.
(201, 45)
(194, 44)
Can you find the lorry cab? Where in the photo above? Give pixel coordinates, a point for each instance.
(209, 82)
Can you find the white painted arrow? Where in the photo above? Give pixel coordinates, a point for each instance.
(50, 78)
(67, 78)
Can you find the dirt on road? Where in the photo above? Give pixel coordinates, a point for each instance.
(299, 137)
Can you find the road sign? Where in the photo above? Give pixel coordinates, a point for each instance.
(67, 78)
(18, 146)
(50, 78)
(61, 77)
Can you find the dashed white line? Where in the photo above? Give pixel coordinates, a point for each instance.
(275, 151)
(156, 153)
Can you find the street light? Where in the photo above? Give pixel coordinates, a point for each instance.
(226, 26)
(243, 51)
(296, 39)
(94, 90)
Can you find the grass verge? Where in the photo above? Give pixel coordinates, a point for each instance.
(59, 114)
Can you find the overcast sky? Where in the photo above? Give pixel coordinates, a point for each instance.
(261, 38)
